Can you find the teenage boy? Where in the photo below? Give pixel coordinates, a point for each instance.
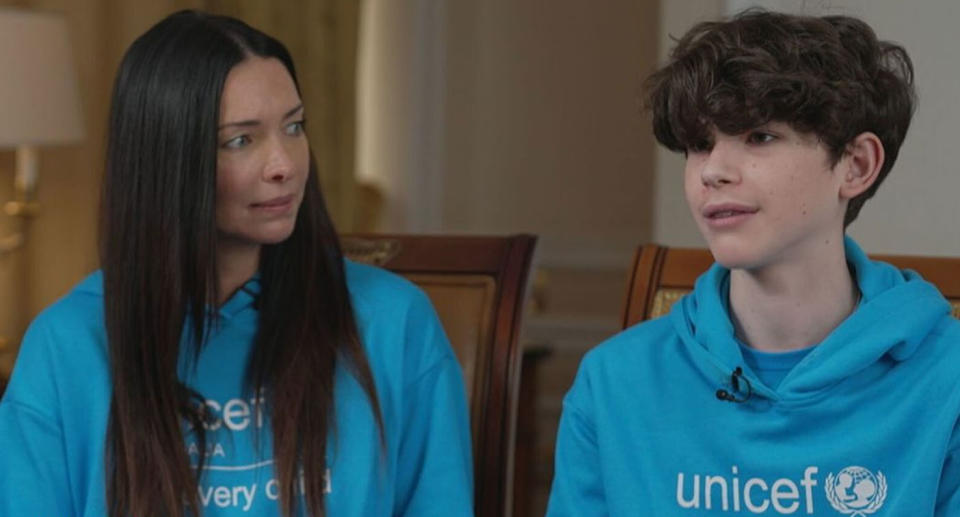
(799, 377)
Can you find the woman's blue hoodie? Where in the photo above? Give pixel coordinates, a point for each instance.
(53, 417)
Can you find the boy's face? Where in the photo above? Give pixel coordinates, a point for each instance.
(764, 197)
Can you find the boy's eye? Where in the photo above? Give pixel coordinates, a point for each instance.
(237, 142)
(760, 137)
(295, 128)
(699, 147)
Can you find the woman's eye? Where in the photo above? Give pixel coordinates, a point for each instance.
(237, 142)
(295, 128)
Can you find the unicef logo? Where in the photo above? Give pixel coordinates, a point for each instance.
(856, 491)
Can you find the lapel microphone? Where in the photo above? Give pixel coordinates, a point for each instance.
(735, 379)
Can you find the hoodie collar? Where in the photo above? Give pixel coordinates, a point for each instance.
(244, 298)
(897, 311)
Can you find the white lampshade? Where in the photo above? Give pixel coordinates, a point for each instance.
(39, 103)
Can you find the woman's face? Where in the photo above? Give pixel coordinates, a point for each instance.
(262, 157)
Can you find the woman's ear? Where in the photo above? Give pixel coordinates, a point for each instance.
(861, 164)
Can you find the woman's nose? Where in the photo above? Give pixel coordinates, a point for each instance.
(279, 166)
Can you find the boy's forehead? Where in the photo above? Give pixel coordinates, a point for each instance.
(773, 125)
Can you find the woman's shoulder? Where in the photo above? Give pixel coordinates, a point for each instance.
(396, 317)
(63, 353)
(377, 290)
(74, 322)
(81, 306)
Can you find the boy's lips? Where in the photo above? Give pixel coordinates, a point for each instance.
(725, 215)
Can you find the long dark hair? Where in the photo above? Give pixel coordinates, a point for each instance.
(158, 237)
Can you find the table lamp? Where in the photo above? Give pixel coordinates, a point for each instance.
(39, 103)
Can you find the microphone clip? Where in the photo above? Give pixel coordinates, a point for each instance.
(735, 382)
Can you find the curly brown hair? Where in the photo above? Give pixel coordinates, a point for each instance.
(829, 76)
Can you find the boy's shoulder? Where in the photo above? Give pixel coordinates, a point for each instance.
(639, 343)
(946, 334)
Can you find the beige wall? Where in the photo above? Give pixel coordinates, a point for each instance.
(504, 116)
(545, 133)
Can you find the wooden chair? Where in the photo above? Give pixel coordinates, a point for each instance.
(660, 276)
(477, 286)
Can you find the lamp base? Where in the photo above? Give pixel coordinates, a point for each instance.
(10, 243)
(22, 208)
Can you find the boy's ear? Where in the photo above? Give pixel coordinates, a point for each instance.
(861, 164)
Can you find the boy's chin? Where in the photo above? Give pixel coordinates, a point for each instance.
(735, 257)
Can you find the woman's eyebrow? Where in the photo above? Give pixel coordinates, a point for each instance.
(254, 122)
(293, 111)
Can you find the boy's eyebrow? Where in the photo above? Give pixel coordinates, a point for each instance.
(253, 122)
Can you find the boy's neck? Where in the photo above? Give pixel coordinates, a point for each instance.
(789, 306)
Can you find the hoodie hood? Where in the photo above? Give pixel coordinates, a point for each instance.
(883, 325)
(245, 298)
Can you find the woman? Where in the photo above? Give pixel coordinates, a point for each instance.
(227, 360)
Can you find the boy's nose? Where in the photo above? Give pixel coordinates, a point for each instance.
(719, 167)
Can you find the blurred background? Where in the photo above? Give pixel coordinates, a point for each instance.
(484, 117)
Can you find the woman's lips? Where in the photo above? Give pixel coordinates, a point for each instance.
(275, 205)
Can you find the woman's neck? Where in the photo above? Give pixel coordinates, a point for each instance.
(792, 306)
(236, 264)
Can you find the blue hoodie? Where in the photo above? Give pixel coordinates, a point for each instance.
(53, 417)
(865, 424)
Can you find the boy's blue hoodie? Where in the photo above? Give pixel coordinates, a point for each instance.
(53, 417)
(865, 424)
